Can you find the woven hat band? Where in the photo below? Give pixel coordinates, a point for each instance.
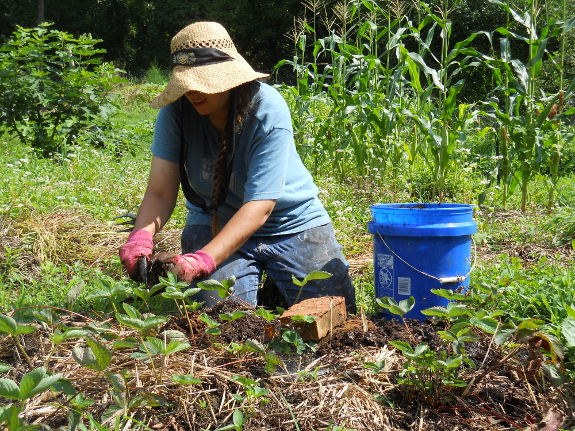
(198, 57)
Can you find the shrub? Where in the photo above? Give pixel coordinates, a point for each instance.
(52, 86)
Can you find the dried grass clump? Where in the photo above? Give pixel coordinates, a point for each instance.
(67, 237)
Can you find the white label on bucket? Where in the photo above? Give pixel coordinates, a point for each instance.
(385, 261)
(385, 275)
(404, 286)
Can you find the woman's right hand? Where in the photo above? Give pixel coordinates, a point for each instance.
(140, 243)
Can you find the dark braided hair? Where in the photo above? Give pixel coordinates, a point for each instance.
(245, 94)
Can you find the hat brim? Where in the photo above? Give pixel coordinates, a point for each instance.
(209, 79)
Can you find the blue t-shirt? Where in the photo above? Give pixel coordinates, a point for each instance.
(265, 166)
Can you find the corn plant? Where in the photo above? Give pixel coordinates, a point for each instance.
(530, 113)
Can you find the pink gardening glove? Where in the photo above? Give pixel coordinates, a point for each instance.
(188, 267)
(139, 243)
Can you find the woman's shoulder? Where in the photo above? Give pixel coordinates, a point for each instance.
(270, 104)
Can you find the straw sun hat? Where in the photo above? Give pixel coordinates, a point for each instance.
(204, 59)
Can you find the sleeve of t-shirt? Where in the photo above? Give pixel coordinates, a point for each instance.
(167, 139)
(267, 165)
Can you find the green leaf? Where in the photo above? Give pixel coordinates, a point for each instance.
(449, 294)
(402, 345)
(192, 291)
(8, 325)
(172, 293)
(266, 314)
(133, 323)
(117, 380)
(131, 311)
(317, 275)
(66, 386)
(4, 367)
(187, 379)
(555, 375)
(299, 319)
(176, 346)
(503, 333)
(487, 324)
(9, 389)
(234, 316)
(125, 343)
(24, 329)
(174, 335)
(394, 307)
(208, 320)
(568, 331)
(435, 311)
(146, 400)
(214, 331)
(35, 382)
(155, 345)
(238, 417)
(71, 333)
(210, 285)
(73, 293)
(296, 281)
(101, 353)
(154, 321)
(255, 346)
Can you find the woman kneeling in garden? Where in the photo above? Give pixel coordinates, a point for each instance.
(228, 139)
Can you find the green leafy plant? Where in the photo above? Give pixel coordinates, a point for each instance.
(224, 288)
(314, 275)
(12, 327)
(400, 308)
(109, 290)
(145, 325)
(54, 86)
(253, 390)
(430, 373)
(31, 384)
(238, 421)
(173, 290)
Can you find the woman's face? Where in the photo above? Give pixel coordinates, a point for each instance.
(214, 105)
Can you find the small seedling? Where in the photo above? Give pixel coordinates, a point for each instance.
(314, 275)
(12, 327)
(32, 383)
(376, 367)
(224, 288)
(401, 309)
(213, 325)
(238, 421)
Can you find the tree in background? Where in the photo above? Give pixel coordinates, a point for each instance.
(137, 33)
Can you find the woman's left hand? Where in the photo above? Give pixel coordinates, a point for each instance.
(188, 267)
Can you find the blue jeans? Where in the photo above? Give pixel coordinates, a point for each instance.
(281, 256)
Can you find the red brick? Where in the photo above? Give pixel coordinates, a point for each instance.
(328, 312)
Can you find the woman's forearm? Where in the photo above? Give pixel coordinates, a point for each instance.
(154, 212)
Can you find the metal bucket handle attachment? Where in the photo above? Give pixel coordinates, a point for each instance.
(442, 280)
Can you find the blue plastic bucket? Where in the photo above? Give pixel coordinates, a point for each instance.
(419, 247)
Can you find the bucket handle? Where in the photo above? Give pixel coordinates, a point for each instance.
(442, 280)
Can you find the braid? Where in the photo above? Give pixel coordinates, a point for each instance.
(245, 94)
(219, 183)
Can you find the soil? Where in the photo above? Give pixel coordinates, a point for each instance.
(323, 387)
